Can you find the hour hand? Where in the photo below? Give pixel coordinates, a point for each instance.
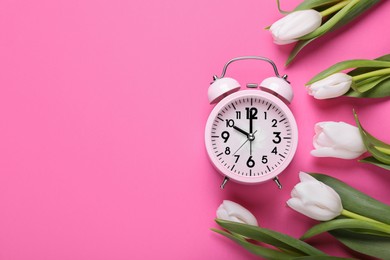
(241, 131)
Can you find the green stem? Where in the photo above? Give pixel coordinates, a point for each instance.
(371, 74)
(329, 24)
(334, 8)
(353, 215)
(383, 226)
(383, 149)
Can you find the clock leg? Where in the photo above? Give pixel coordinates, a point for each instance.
(225, 180)
(276, 180)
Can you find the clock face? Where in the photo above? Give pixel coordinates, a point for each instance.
(251, 136)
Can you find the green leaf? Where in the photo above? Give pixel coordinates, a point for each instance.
(270, 237)
(344, 224)
(348, 64)
(356, 201)
(374, 161)
(380, 90)
(377, 246)
(310, 257)
(328, 25)
(267, 253)
(314, 4)
(297, 48)
(385, 150)
(354, 12)
(362, 70)
(354, 87)
(372, 144)
(367, 84)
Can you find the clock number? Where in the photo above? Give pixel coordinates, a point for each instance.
(227, 150)
(274, 151)
(277, 138)
(225, 136)
(265, 115)
(274, 121)
(250, 163)
(238, 114)
(264, 159)
(251, 113)
(237, 157)
(229, 123)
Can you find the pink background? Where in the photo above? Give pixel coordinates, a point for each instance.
(102, 112)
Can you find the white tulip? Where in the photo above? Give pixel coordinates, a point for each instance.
(315, 199)
(295, 25)
(232, 211)
(338, 140)
(332, 86)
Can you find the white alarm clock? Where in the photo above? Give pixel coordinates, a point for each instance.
(251, 135)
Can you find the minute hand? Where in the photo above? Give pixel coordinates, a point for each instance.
(251, 124)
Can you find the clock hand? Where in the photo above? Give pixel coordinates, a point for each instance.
(251, 124)
(241, 131)
(250, 138)
(241, 146)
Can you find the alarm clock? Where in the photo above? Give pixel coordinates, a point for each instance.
(251, 135)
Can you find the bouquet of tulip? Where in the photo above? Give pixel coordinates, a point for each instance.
(313, 18)
(345, 141)
(355, 219)
(242, 227)
(358, 221)
(369, 78)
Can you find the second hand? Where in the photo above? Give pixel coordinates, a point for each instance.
(248, 139)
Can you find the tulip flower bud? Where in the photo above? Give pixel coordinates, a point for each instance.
(232, 211)
(330, 87)
(338, 140)
(315, 199)
(295, 25)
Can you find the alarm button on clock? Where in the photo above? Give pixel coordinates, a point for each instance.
(279, 86)
(221, 88)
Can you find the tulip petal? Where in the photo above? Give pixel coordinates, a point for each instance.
(344, 135)
(338, 140)
(332, 86)
(316, 193)
(295, 25)
(222, 213)
(321, 140)
(303, 177)
(321, 214)
(310, 211)
(315, 199)
(333, 91)
(297, 205)
(232, 211)
(335, 153)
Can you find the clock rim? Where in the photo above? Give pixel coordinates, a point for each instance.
(251, 179)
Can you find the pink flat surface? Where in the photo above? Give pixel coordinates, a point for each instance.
(102, 112)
